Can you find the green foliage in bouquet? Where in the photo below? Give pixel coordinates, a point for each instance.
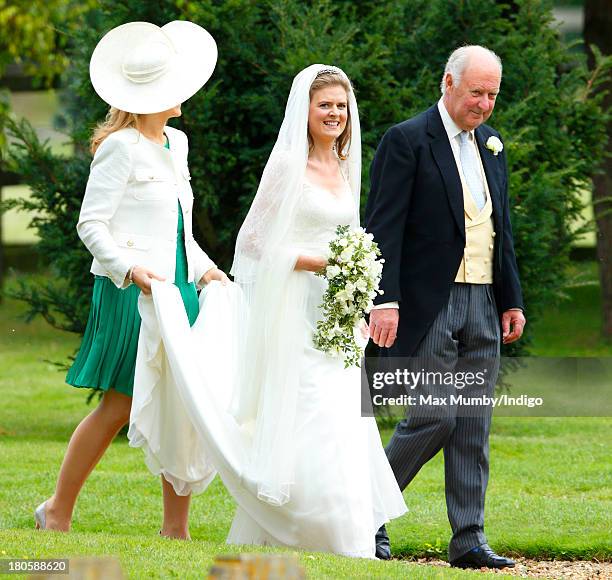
(548, 113)
(353, 275)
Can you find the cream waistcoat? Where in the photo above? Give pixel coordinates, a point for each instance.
(477, 263)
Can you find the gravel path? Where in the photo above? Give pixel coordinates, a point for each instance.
(550, 569)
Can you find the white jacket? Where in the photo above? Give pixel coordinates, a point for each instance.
(130, 212)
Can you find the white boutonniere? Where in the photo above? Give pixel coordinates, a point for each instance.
(495, 145)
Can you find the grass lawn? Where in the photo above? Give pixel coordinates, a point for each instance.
(549, 493)
(573, 327)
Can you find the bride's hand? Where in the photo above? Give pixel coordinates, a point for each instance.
(364, 329)
(215, 274)
(311, 263)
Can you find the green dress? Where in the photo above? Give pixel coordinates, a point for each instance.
(107, 356)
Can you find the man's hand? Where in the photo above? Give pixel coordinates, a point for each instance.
(215, 274)
(383, 326)
(142, 278)
(513, 323)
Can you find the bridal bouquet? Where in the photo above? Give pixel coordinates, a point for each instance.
(353, 274)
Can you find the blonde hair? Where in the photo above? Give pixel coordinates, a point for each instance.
(115, 119)
(331, 78)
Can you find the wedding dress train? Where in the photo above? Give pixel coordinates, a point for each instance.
(244, 392)
(343, 488)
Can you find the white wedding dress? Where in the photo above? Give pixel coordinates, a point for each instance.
(343, 489)
(244, 393)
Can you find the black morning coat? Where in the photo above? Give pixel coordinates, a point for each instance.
(415, 212)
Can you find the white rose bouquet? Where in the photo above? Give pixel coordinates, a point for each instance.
(353, 274)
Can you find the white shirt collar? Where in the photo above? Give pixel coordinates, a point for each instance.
(449, 125)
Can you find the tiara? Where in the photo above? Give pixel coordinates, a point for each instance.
(327, 71)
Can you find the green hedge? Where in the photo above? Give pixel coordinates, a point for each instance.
(394, 51)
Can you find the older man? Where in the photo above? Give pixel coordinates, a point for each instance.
(438, 208)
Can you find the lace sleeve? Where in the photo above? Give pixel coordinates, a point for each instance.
(262, 215)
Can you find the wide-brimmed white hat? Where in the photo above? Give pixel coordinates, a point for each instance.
(141, 68)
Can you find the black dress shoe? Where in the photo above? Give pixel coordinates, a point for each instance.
(482, 557)
(383, 547)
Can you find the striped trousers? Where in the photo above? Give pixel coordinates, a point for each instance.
(466, 328)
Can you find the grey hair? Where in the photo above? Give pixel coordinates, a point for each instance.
(458, 61)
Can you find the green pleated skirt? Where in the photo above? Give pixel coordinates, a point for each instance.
(107, 356)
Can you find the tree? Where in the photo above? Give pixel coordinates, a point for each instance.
(36, 35)
(63, 299)
(551, 121)
(597, 26)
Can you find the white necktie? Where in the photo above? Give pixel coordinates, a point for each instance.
(471, 169)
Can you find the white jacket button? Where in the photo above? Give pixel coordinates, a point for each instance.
(130, 243)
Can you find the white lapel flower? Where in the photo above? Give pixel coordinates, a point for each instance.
(495, 145)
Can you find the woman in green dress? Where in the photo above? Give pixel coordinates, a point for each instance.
(136, 222)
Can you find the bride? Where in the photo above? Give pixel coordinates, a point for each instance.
(306, 469)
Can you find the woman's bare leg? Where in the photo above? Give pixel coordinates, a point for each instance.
(87, 445)
(176, 513)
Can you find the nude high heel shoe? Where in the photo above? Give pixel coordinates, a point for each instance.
(40, 517)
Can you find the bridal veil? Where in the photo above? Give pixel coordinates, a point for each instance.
(275, 293)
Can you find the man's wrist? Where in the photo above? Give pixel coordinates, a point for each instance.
(394, 304)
